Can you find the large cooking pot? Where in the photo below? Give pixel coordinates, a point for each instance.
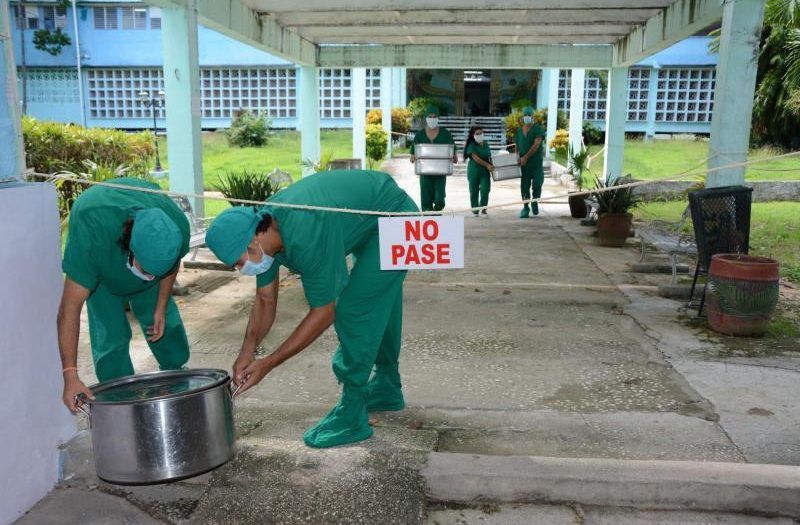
(162, 426)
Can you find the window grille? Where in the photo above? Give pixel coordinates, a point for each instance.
(685, 94)
(155, 18)
(134, 17)
(373, 89)
(269, 90)
(105, 17)
(334, 93)
(638, 91)
(114, 93)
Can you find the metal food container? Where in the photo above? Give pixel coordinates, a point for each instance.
(434, 151)
(164, 426)
(506, 173)
(505, 159)
(439, 167)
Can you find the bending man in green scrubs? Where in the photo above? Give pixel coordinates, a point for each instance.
(365, 305)
(530, 145)
(432, 187)
(124, 247)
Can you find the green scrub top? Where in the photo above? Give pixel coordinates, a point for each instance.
(315, 243)
(484, 152)
(443, 137)
(93, 254)
(525, 143)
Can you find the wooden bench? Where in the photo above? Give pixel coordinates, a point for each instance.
(668, 237)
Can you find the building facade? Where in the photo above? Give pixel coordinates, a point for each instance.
(121, 56)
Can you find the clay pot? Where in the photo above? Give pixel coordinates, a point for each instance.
(613, 229)
(742, 293)
(577, 206)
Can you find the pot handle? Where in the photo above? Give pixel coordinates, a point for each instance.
(80, 401)
(234, 389)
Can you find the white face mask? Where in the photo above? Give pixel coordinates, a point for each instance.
(527, 119)
(479, 138)
(252, 269)
(432, 122)
(138, 273)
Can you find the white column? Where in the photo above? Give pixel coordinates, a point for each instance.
(615, 122)
(308, 111)
(12, 161)
(576, 109)
(78, 61)
(552, 107)
(358, 112)
(182, 86)
(386, 104)
(735, 86)
(652, 100)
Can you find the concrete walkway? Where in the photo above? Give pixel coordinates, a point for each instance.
(544, 345)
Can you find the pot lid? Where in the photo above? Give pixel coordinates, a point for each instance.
(158, 385)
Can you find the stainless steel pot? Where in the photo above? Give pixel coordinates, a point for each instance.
(163, 426)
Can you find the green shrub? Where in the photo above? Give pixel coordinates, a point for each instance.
(248, 128)
(377, 144)
(513, 120)
(401, 120)
(560, 141)
(247, 185)
(374, 116)
(318, 165)
(418, 106)
(592, 134)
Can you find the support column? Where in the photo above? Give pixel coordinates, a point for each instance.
(552, 107)
(542, 88)
(576, 109)
(652, 100)
(12, 162)
(358, 112)
(386, 105)
(615, 122)
(735, 87)
(308, 111)
(182, 87)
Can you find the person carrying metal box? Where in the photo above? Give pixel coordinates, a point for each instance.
(432, 187)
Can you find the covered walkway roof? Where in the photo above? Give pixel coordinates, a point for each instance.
(458, 33)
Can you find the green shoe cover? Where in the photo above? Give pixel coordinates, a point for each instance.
(525, 212)
(535, 208)
(384, 392)
(346, 423)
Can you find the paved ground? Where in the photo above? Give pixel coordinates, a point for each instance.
(544, 345)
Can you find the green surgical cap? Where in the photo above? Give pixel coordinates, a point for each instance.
(432, 110)
(527, 111)
(155, 241)
(231, 232)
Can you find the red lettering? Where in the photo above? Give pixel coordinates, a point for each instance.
(428, 255)
(412, 231)
(430, 230)
(443, 253)
(397, 252)
(412, 257)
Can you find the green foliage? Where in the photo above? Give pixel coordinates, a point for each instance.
(51, 42)
(321, 164)
(248, 128)
(68, 190)
(560, 141)
(513, 121)
(377, 144)
(248, 185)
(374, 116)
(578, 164)
(614, 200)
(591, 134)
(743, 298)
(520, 104)
(418, 105)
(401, 120)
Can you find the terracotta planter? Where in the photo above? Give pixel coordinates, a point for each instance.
(577, 206)
(613, 229)
(742, 293)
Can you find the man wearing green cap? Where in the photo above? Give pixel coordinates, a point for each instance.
(530, 145)
(124, 248)
(366, 302)
(432, 187)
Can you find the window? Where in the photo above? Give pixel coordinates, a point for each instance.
(105, 18)
(114, 93)
(269, 90)
(638, 91)
(134, 18)
(155, 18)
(334, 93)
(373, 90)
(26, 17)
(594, 98)
(51, 86)
(685, 95)
(54, 17)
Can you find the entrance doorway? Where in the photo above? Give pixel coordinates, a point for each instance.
(477, 93)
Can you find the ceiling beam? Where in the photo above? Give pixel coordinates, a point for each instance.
(671, 25)
(238, 21)
(461, 56)
(282, 6)
(477, 39)
(320, 33)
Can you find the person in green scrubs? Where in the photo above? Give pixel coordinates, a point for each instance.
(530, 145)
(365, 304)
(479, 169)
(123, 248)
(432, 187)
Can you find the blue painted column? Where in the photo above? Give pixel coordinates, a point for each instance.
(552, 107)
(735, 87)
(576, 109)
(386, 105)
(309, 115)
(182, 86)
(652, 100)
(543, 88)
(358, 112)
(12, 160)
(615, 122)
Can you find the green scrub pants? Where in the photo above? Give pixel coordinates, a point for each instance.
(110, 332)
(479, 186)
(532, 181)
(432, 192)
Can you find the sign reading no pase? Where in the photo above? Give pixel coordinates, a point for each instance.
(421, 243)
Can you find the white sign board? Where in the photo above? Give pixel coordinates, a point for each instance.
(421, 243)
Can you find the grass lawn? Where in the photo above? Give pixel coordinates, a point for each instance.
(663, 158)
(774, 229)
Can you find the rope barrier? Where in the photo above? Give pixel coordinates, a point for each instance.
(307, 207)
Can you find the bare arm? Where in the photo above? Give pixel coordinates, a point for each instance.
(155, 331)
(482, 162)
(69, 324)
(536, 143)
(262, 316)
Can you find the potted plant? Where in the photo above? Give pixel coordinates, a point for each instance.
(578, 163)
(614, 219)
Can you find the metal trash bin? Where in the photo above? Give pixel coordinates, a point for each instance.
(721, 220)
(506, 166)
